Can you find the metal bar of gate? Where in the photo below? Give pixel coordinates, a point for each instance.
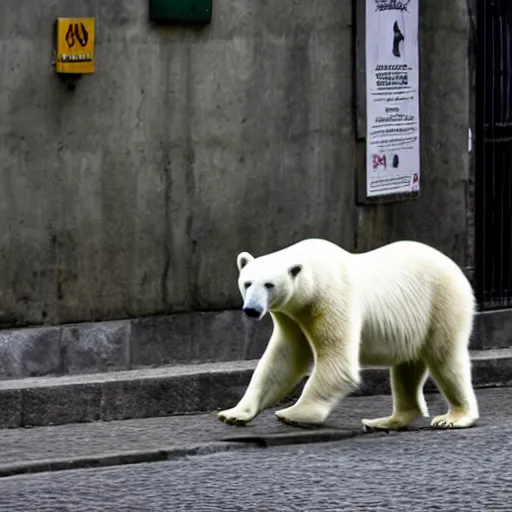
(493, 198)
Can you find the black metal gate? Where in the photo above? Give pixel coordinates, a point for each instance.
(493, 190)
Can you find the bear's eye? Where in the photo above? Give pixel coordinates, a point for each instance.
(269, 286)
(247, 284)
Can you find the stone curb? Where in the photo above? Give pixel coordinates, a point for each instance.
(116, 459)
(234, 443)
(175, 391)
(180, 338)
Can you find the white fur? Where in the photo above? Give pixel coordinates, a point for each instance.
(405, 306)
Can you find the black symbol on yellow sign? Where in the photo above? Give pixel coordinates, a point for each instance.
(77, 34)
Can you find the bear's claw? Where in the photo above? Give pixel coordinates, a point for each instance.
(454, 420)
(297, 423)
(234, 421)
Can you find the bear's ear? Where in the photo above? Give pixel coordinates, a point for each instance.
(242, 259)
(295, 270)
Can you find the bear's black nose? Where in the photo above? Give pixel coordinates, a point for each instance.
(252, 312)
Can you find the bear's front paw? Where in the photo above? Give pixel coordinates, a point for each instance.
(307, 416)
(236, 416)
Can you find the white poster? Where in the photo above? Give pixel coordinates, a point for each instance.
(392, 102)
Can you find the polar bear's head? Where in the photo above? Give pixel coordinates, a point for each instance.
(265, 283)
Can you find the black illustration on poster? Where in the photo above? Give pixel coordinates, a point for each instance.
(398, 38)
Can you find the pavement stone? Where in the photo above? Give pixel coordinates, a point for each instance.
(11, 407)
(421, 470)
(130, 441)
(492, 329)
(197, 337)
(29, 352)
(95, 347)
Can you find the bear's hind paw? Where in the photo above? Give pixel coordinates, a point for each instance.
(395, 422)
(454, 420)
(301, 417)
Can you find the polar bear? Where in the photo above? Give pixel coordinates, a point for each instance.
(405, 306)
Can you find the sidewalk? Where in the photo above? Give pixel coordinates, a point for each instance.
(155, 439)
(175, 390)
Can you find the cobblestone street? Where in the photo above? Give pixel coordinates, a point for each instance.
(419, 470)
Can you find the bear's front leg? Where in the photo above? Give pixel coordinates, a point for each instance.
(319, 397)
(285, 362)
(335, 375)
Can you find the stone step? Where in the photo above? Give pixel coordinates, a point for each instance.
(173, 390)
(177, 339)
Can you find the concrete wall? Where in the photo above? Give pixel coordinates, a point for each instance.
(132, 194)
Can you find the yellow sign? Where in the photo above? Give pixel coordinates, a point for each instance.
(75, 45)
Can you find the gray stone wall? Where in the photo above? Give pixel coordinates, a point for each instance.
(132, 194)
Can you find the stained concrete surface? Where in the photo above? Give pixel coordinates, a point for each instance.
(132, 194)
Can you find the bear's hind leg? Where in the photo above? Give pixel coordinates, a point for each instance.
(285, 362)
(407, 381)
(452, 374)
